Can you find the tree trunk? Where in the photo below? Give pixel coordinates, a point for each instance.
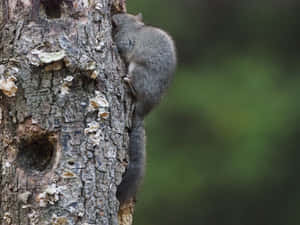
(64, 114)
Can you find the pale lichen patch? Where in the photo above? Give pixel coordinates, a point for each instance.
(67, 83)
(91, 65)
(103, 113)
(33, 218)
(92, 127)
(37, 57)
(94, 75)
(100, 104)
(23, 197)
(94, 133)
(100, 46)
(41, 200)
(49, 57)
(87, 64)
(49, 196)
(8, 86)
(95, 138)
(64, 90)
(51, 189)
(69, 79)
(7, 218)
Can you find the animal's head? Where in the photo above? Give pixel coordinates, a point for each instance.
(127, 20)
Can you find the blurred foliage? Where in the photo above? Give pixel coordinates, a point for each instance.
(223, 146)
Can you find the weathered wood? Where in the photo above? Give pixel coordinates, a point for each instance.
(64, 115)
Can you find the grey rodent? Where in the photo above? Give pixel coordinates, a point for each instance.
(150, 55)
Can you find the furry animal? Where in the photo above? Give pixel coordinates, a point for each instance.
(151, 58)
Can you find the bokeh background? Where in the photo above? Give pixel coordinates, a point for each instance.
(223, 147)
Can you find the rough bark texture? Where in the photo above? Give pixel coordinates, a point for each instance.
(64, 115)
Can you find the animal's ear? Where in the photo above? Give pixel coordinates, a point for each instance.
(139, 17)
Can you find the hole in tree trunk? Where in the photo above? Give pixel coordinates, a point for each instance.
(52, 8)
(36, 154)
(52, 12)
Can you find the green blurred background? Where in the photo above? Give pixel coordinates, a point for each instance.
(223, 145)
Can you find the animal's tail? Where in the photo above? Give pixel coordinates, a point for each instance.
(137, 159)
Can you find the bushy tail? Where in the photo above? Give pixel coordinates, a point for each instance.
(137, 158)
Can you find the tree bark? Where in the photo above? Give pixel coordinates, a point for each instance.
(64, 115)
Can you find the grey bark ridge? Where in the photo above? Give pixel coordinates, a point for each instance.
(64, 112)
